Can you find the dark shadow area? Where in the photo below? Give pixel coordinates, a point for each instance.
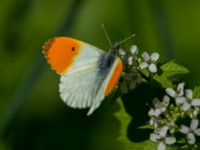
(137, 106)
(68, 129)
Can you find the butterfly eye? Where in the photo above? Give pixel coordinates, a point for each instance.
(73, 48)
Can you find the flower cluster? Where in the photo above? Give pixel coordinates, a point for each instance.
(167, 115)
(130, 76)
(184, 99)
(133, 65)
(174, 117)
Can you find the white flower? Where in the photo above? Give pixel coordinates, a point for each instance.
(149, 61)
(130, 80)
(161, 146)
(191, 131)
(184, 99)
(159, 107)
(187, 102)
(178, 91)
(128, 57)
(162, 137)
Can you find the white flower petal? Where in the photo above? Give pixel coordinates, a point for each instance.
(188, 93)
(154, 57)
(161, 146)
(166, 100)
(163, 109)
(184, 129)
(152, 68)
(130, 60)
(163, 131)
(194, 124)
(196, 102)
(180, 89)
(191, 138)
(156, 102)
(143, 65)
(145, 56)
(170, 140)
(180, 100)
(154, 137)
(153, 122)
(186, 106)
(122, 52)
(157, 112)
(170, 92)
(134, 49)
(197, 132)
(151, 112)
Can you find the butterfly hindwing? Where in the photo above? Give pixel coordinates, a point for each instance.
(80, 88)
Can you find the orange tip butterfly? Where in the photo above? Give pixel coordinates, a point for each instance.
(88, 74)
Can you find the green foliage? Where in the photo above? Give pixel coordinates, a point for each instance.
(168, 71)
(196, 92)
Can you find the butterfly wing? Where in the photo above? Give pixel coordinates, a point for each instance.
(67, 54)
(78, 89)
(88, 86)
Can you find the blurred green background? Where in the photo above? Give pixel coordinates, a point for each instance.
(32, 116)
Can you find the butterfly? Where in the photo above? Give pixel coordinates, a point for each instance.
(88, 74)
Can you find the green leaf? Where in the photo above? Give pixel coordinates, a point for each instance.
(168, 71)
(125, 119)
(196, 92)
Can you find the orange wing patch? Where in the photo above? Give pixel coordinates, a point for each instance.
(61, 52)
(114, 78)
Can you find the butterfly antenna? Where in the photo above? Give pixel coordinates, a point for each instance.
(126, 39)
(106, 34)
